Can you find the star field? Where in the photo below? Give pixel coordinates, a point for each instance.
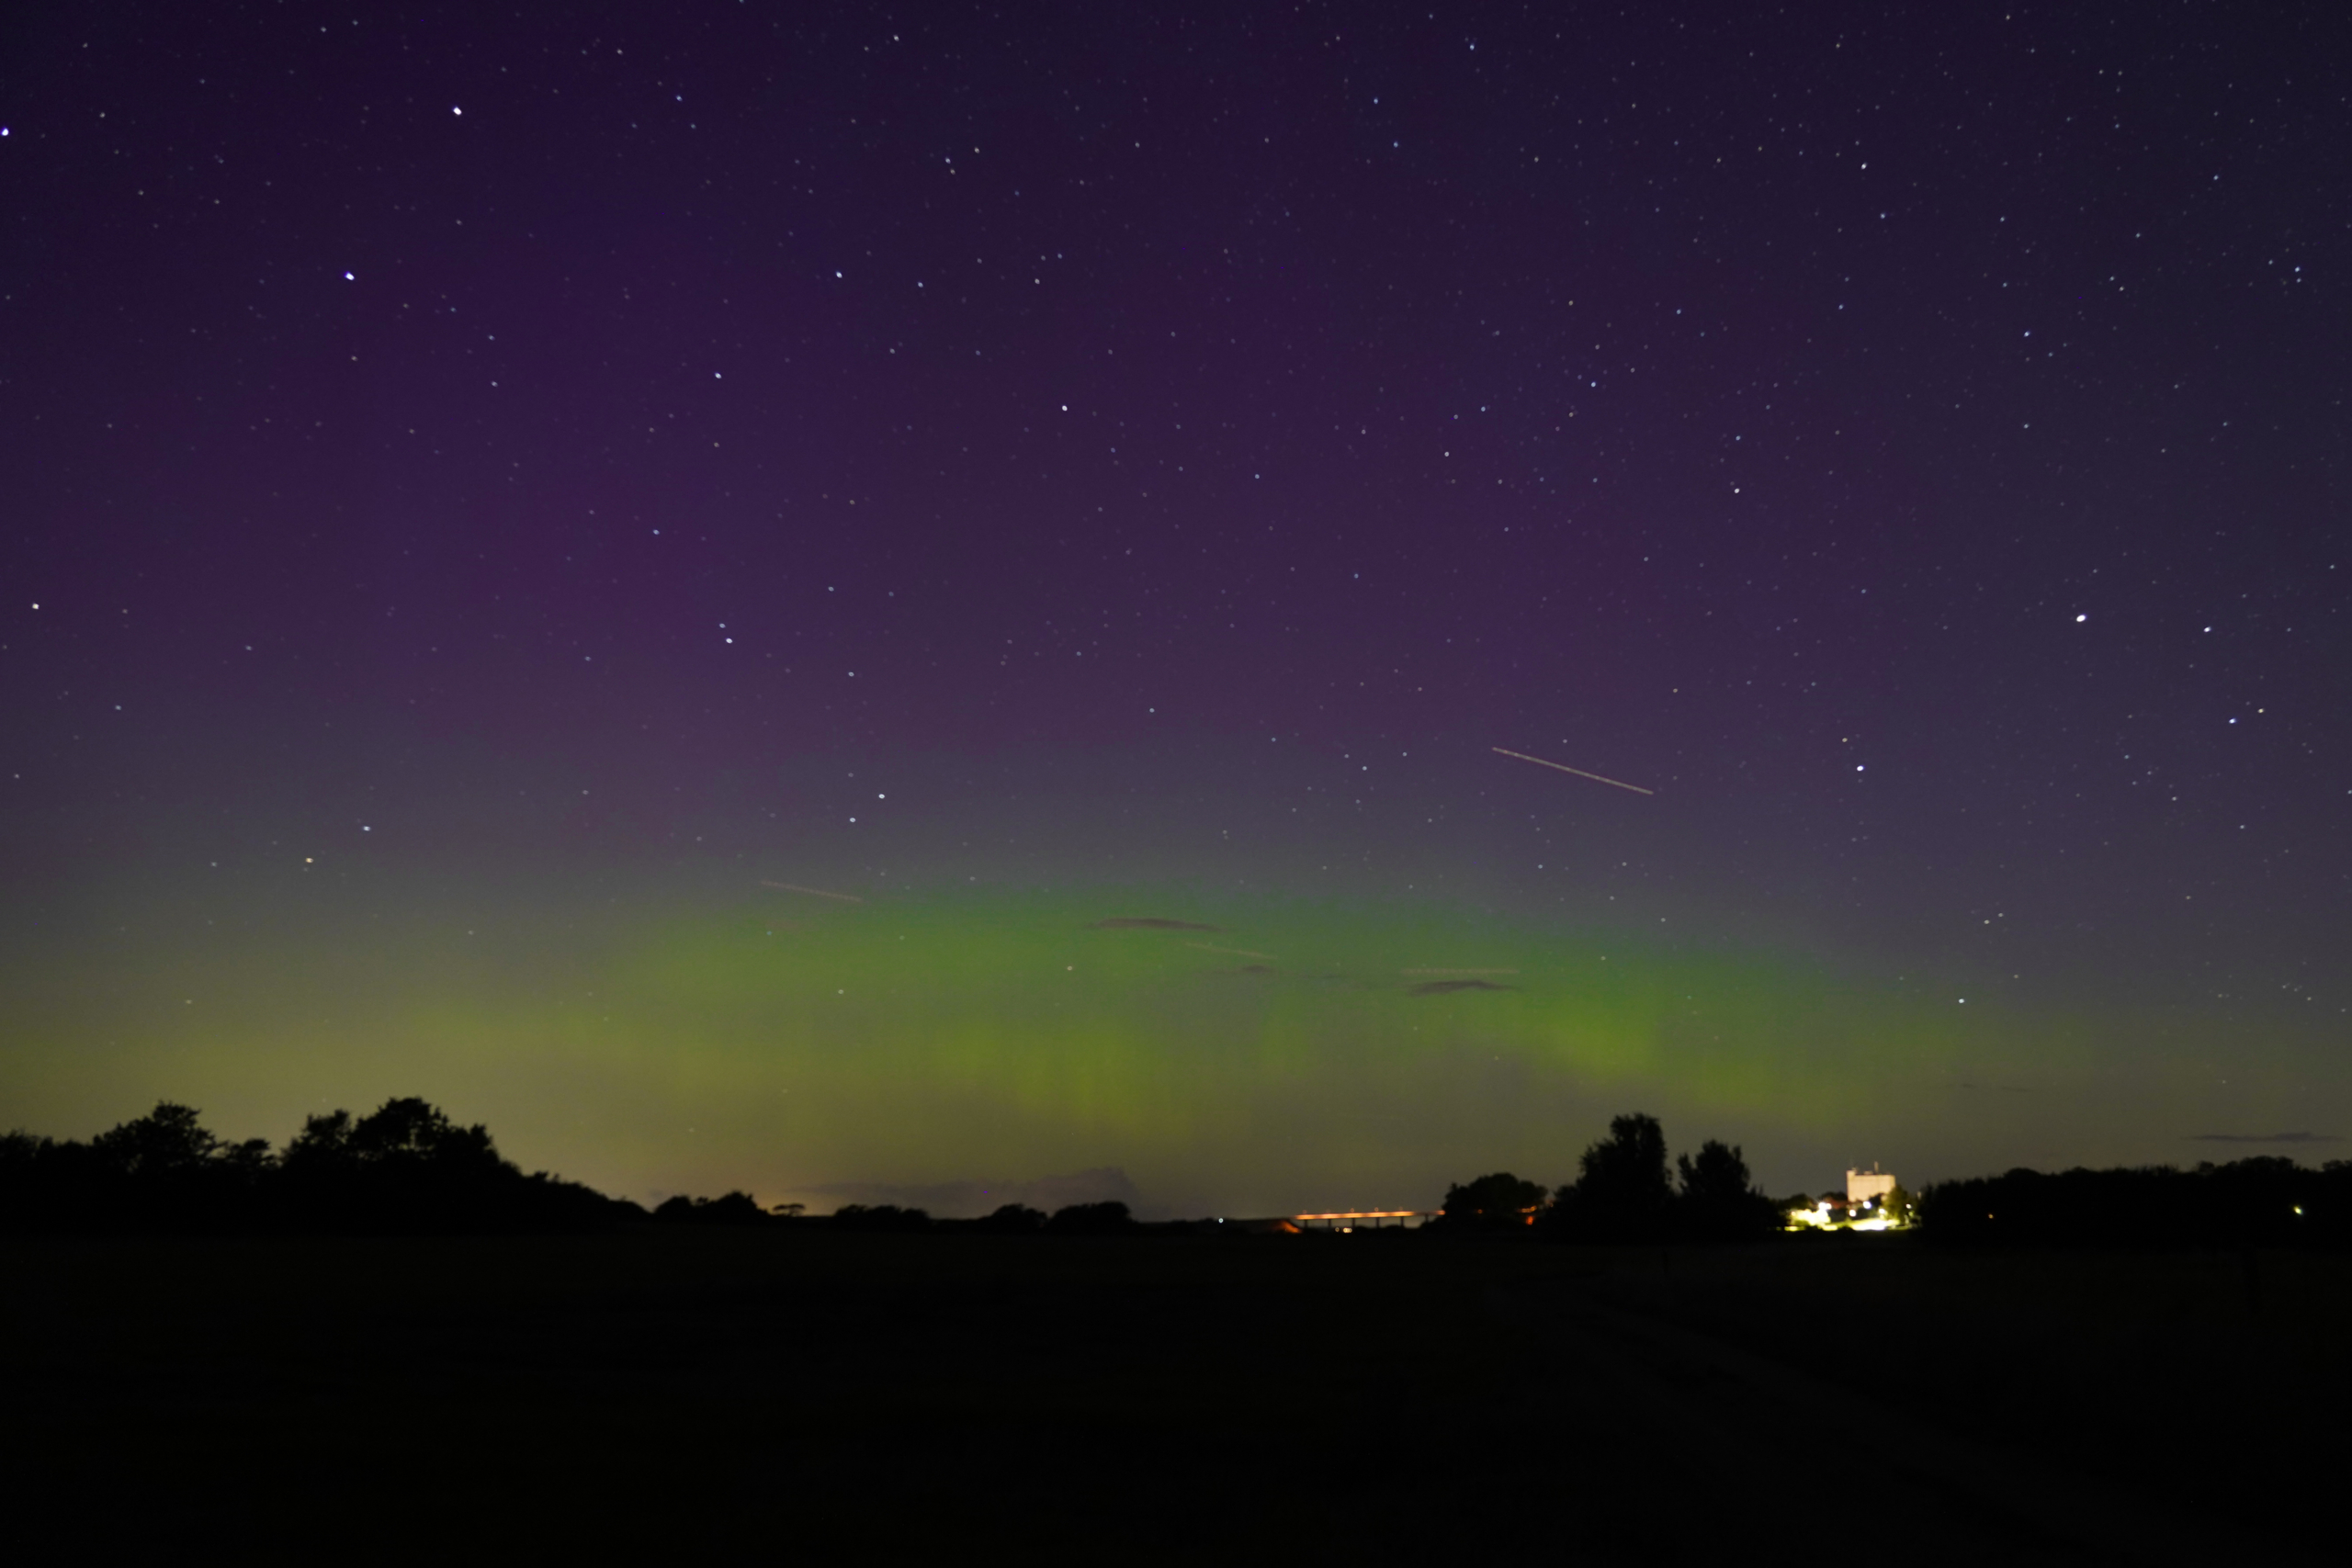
(487, 492)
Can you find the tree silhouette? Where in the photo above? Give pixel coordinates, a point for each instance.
(403, 1167)
(1015, 1218)
(1090, 1219)
(727, 1209)
(166, 1171)
(167, 1140)
(1622, 1192)
(406, 1166)
(411, 1132)
(324, 1141)
(881, 1217)
(1500, 1202)
(1718, 1201)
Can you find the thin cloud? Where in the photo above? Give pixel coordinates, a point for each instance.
(1447, 988)
(1149, 923)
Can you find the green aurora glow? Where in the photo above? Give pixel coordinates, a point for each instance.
(1282, 1059)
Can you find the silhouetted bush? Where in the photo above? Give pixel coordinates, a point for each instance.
(881, 1217)
(732, 1209)
(1090, 1219)
(1500, 1202)
(1013, 1219)
(727, 1209)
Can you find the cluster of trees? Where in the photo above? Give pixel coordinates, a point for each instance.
(1625, 1191)
(406, 1167)
(727, 1209)
(2263, 1201)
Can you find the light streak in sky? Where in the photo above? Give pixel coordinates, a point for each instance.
(1579, 773)
(1237, 951)
(813, 892)
(1457, 971)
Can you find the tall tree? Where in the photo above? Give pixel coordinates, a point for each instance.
(1623, 1190)
(1718, 1199)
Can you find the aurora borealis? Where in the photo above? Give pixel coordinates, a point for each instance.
(944, 1033)
(500, 507)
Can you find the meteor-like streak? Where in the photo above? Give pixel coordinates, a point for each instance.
(1457, 971)
(1237, 951)
(812, 892)
(1579, 773)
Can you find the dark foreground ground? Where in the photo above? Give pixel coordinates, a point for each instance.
(843, 1398)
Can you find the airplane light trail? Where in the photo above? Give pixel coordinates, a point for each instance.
(813, 892)
(1579, 773)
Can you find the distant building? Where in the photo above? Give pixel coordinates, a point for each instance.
(1368, 1219)
(1861, 1209)
(1868, 1186)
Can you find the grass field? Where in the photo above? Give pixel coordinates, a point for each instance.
(850, 1397)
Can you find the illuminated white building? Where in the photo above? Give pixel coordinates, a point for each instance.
(1866, 1186)
(1862, 1208)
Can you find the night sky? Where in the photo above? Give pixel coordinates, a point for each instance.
(500, 505)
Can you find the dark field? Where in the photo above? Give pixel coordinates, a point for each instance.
(1394, 1397)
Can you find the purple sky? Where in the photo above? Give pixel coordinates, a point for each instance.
(515, 457)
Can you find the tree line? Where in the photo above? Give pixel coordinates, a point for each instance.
(406, 1167)
(403, 1167)
(2266, 1201)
